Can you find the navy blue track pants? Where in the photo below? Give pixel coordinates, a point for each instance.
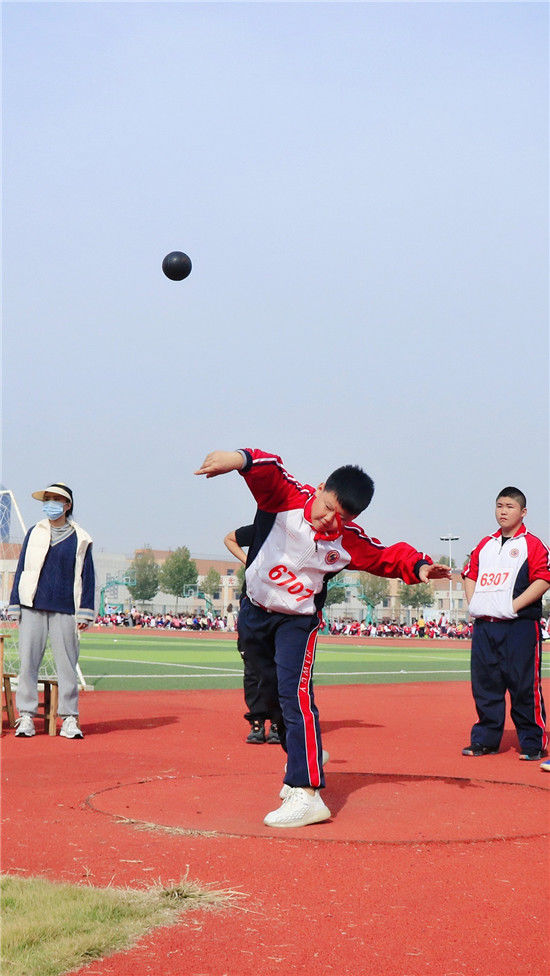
(280, 649)
(506, 656)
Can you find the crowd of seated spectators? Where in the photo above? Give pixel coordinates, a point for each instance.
(344, 627)
(163, 621)
(392, 628)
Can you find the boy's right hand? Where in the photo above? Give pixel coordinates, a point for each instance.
(220, 462)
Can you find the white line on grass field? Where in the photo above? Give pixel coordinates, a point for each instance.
(233, 674)
(160, 677)
(320, 674)
(414, 657)
(340, 674)
(158, 664)
(392, 651)
(331, 674)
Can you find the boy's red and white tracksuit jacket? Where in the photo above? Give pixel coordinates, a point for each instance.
(289, 563)
(502, 569)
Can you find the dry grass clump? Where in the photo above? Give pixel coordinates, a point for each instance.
(50, 928)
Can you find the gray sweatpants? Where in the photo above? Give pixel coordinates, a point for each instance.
(34, 628)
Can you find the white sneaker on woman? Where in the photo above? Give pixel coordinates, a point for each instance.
(25, 725)
(70, 728)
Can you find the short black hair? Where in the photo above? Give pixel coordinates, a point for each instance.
(352, 486)
(514, 493)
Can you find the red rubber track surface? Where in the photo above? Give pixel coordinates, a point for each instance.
(431, 864)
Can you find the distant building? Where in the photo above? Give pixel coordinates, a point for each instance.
(110, 564)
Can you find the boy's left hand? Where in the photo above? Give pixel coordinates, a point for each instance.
(435, 571)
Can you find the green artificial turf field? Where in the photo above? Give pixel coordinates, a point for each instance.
(116, 660)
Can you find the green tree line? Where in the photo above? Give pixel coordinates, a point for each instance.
(177, 572)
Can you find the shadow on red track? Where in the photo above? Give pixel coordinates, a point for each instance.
(128, 724)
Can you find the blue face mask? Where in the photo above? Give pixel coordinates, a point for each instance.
(53, 510)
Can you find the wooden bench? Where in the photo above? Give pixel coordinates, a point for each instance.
(7, 696)
(47, 709)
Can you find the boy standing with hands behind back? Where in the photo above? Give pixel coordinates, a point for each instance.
(303, 536)
(504, 582)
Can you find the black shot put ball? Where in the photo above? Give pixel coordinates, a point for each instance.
(177, 265)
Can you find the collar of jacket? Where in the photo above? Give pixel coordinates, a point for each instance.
(521, 531)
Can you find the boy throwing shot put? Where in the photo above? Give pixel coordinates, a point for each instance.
(303, 537)
(504, 582)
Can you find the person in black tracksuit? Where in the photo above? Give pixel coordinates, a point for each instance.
(303, 536)
(258, 711)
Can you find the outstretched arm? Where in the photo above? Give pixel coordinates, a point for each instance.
(435, 571)
(220, 462)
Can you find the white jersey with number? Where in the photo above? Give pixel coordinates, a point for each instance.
(499, 566)
(502, 570)
(291, 566)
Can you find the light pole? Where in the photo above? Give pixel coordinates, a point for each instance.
(450, 539)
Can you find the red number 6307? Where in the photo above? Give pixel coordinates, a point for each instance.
(493, 579)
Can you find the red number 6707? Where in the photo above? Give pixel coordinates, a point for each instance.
(290, 582)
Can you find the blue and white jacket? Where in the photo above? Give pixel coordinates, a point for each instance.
(58, 578)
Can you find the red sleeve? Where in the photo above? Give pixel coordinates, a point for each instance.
(273, 488)
(400, 561)
(539, 559)
(471, 568)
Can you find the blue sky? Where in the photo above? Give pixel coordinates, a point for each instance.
(362, 189)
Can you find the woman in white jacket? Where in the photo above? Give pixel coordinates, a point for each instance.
(52, 596)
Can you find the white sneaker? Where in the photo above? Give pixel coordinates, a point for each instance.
(25, 725)
(70, 728)
(285, 788)
(298, 809)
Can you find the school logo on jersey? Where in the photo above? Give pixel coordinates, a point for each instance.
(514, 553)
(332, 556)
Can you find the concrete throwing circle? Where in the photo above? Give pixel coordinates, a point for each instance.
(376, 808)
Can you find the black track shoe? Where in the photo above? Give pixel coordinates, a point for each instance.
(256, 736)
